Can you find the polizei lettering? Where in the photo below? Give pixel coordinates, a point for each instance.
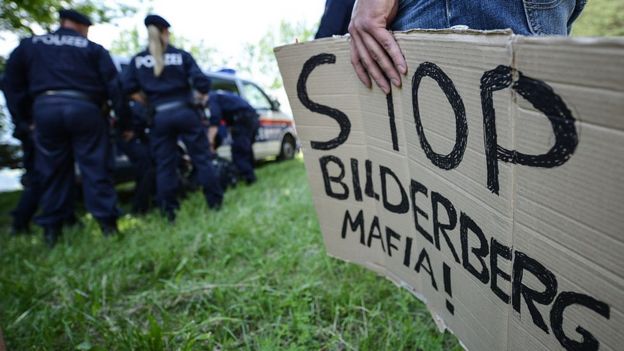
(148, 60)
(60, 40)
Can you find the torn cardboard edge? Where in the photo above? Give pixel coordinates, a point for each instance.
(616, 42)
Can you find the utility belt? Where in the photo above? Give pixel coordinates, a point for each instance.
(167, 106)
(244, 116)
(73, 94)
(172, 105)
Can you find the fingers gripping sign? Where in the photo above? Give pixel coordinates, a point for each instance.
(374, 51)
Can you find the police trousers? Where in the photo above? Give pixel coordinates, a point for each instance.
(68, 129)
(29, 200)
(138, 151)
(243, 130)
(169, 127)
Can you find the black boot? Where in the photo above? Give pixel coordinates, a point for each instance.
(170, 215)
(72, 222)
(18, 228)
(215, 206)
(109, 227)
(51, 234)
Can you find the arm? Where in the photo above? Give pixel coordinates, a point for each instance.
(15, 88)
(216, 113)
(374, 51)
(335, 18)
(130, 85)
(199, 80)
(112, 80)
(212, 134)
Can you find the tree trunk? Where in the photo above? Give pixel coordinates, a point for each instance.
(2, 346)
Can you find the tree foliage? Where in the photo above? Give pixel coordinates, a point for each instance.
(206, 57)
(24, 16)
(133, 41)
(259, 59)
(601, 18)
(128, 43)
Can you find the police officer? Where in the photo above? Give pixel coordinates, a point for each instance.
(243, 121)
(167, 77)
(69, 79)
(28, 203)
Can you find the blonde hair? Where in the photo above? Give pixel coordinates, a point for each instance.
(156, 48)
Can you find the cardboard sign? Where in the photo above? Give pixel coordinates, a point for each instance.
(491, 185)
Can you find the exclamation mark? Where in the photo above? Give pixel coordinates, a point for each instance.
(447, 287)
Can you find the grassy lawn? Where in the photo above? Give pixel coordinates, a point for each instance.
(253, 276)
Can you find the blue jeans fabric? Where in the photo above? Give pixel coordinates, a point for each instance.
(525, 17)
(69, 129)
(183, 123)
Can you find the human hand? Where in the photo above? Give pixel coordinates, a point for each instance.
(139, 97)
(203, 99)
(374, 51)
(127, 135)
(212, 136)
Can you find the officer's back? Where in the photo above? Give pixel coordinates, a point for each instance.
(173, 84)
(66, 60)
(63, 79)
(224, 104)
(164, 77)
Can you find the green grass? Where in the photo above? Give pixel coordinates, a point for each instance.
(253, 276)
(600, 18)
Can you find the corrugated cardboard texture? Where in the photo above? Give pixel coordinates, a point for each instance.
(489, 185)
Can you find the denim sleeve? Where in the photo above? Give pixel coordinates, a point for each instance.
(335, 20)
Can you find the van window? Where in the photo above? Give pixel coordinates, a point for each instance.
(255, 96)
(223, 84)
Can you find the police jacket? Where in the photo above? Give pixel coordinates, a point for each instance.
(226, 105)
(180, 75)
(62, 60)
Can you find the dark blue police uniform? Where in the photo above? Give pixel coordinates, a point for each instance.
(243, 121)
(68, 78)
(170, 97)
(21, 117)
(29, 199)
(336, 18)
(138, 151)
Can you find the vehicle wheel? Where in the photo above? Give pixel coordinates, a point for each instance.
(288, 149)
